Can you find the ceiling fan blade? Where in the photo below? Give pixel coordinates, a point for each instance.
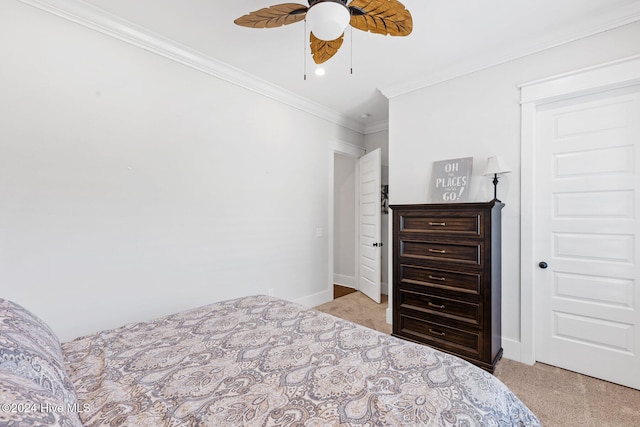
(273, 16)
(323, 50)
(381, 17)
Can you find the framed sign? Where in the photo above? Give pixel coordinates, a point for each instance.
(451, 180)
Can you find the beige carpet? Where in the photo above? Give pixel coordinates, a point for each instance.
(558, 397)
(358, 308)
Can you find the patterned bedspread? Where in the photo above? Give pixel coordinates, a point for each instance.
(262, 361)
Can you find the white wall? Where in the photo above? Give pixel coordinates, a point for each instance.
(478, 115)
(132, 186)
(344, 252)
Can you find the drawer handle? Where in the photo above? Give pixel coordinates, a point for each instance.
(431, 331)
(438, 251)
(438, 224)
(442, 279)
(430, 304)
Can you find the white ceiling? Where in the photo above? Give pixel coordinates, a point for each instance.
(449, 38)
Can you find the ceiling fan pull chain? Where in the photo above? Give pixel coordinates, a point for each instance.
(304, 47)
(351, 47)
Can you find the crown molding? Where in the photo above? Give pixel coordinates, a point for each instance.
(97, 19)
(615, 74)
(618, 18)
(376, 127)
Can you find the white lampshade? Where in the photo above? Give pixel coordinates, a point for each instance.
(327, 20)
(496, 165)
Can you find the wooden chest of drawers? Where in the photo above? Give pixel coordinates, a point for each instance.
(446, 278)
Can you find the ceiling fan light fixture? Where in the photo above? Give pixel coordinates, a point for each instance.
(327, 20)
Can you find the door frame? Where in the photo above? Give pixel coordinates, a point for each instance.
(600, 78)
(348, 150)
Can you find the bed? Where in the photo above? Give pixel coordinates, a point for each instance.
(252, 361)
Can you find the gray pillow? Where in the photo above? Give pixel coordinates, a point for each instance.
(30, 349)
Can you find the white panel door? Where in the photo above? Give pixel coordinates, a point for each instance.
(587, 298)
(369, 224)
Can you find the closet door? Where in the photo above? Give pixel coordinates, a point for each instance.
(587, 278)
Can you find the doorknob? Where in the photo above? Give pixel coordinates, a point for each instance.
(543, 264)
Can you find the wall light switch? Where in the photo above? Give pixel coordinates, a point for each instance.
(319, 232)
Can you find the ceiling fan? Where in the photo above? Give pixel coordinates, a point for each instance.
(327, 20)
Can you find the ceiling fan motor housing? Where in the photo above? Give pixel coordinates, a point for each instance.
(312, 2)
(327, 19)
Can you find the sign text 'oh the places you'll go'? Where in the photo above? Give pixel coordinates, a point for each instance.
(451, 180)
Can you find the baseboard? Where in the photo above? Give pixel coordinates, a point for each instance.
(511, 349)
(344, 280)
(315, 299)
(389, 316)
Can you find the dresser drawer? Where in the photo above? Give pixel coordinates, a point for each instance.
(463, 224)
(467, 253)
(456, 340)
(447, 308)
(468, 283)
